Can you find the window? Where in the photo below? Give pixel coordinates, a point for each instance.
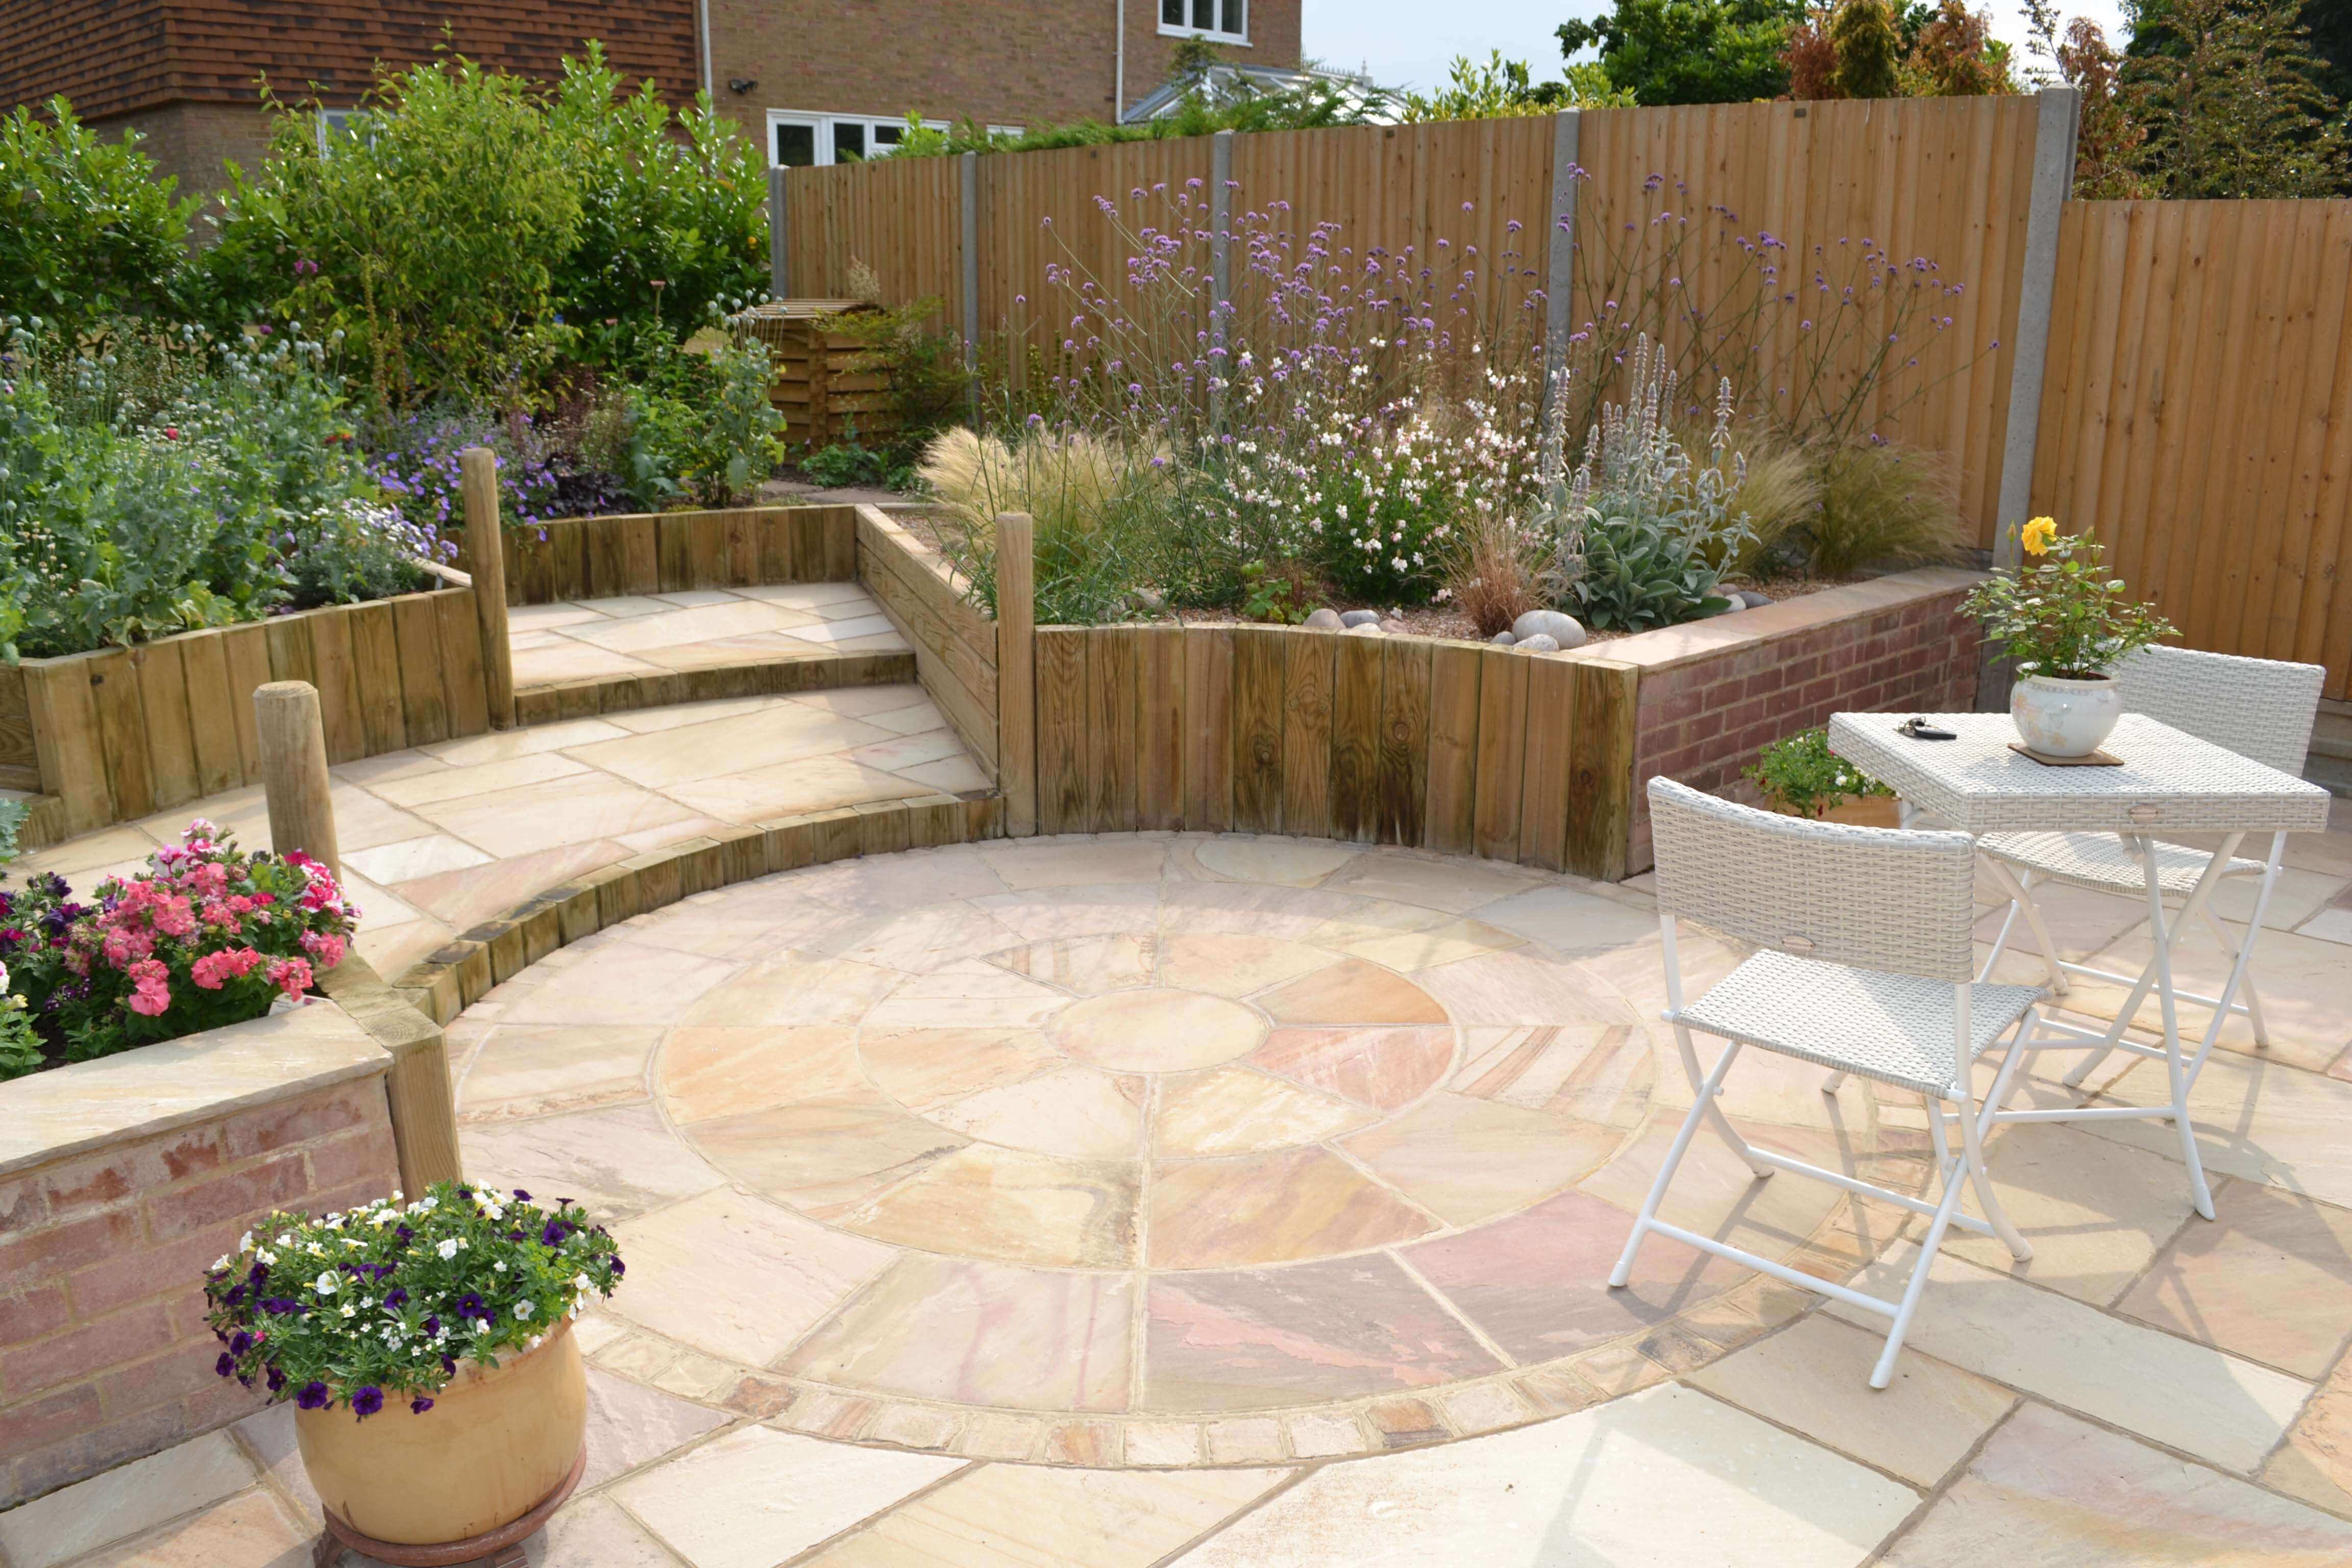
(801, 140)
(335, 125)
(1224, 19)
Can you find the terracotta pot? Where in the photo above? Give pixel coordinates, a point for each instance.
(496, 1442)
(1861, 810)
(2064, 718)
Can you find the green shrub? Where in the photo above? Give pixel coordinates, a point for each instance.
(1801, 775)
(430, 234)
(1881, 504)
(87, 230)
(703, 427)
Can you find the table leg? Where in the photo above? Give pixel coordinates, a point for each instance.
(2245, 959)
(2176, 1073)
(2190, 908)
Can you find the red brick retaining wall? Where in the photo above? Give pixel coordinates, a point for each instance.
(1714, 691)
(104, 1354)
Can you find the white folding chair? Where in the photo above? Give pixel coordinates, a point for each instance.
(2259, 708)
(1866, 966)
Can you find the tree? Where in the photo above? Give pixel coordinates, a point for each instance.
(2109, 135)
(1864, 35)
(1690, 52)
(1955, 55)
(86, 229)
(2233, 104)
(1501, 90)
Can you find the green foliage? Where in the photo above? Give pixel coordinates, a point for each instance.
(2061, 615)
(703, 427)
(1801, 775)
(1097, 505)
(1690, 52)
(1501, 90)
(87, 231)
(931, 380)
(430, 234)
(1881, 505)
(1245, 106)
(673, 214)
(852, 463)
(380, 1303)
(1868, 48)
(1640, 569)
(2233, 97)
(1268, 595)
(237, 492)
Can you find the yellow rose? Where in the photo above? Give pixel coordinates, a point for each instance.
(2038, 535)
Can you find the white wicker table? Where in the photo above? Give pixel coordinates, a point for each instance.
(2170, 784)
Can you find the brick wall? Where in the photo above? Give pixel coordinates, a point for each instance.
(1044, 61)
(1714, 692)
(104, 1354)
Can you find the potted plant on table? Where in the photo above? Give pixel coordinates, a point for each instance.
(1801, 776)
(438, 1391)
(2067, 624)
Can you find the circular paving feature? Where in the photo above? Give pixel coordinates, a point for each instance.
(1157, 1030)
(1155, 1136)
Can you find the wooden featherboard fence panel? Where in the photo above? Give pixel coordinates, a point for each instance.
(1431, 745)
(901, 216)
(1943, 179)
(678, 552)
(120, 733)
(2197, 413)
(954, 642)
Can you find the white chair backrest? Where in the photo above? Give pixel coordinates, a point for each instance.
(1875, 897)
(2259, 708)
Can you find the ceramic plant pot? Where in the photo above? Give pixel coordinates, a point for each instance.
(496, 1442)
(2061, 718)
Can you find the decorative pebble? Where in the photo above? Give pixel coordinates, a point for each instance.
(1755, 600)
(1148, 602)
(1539, 643)
(1365, 629)
(1355, 618)
(1325, 619)
(1563, 629)
(1396, 628)
(1502, 639)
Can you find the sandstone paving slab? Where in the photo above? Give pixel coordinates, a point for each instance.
(1714, 1191)
(914, 941)
(1536, 1283)
(987, 1201)
(967, 992)
(500, 745)
(2304, 985)
(630, 1425)
(1265, 910)
(1667, 1476)
(2264, 1121)
(1814, 1375)
(924, 1069)
(784, 789)
(1570, 922)
(511, 822)
(2049, 1490)
(1520, 987)
(2095, 1214)
(2269, 1279)
(788, 989)
(1082, 967)
(594, 1532)
(756, 1497)
(1454, 886)
(1385, 1067)
(1316, 1332)
(712, 1070)
(1234, 965)
(1010, 1516)
(638, 984)
(2221, 1408)
(1293, 862)
(1351, 992)
(1075, 1113)
(1037, 913)
(896, 884)
(618, 1162)
(123, 1501)
(737, 1277)
(481, 778)
(981, 1333)
(826, 1154)
(467, 894)
(1071, 863)
(1601, 1073)
(2315, 1463)
(540, 1069)
(1235, 1111)
(1157, 1029)
(1280, 1207)
(1406, 952)
(1468, 1160)
(251, 1530)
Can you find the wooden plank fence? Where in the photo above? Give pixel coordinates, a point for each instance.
(678, 552)
(955, 644)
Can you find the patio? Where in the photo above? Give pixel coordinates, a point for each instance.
(1183, 1198)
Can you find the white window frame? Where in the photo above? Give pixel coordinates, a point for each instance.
(822, 126)
(1214, 35)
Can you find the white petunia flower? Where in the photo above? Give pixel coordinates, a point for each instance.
(328, 1282)
(448, 1248)
(522, 1309)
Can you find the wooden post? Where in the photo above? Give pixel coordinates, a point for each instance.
(479, 469)
(1016, 671)
(778, 237)
(294, 771)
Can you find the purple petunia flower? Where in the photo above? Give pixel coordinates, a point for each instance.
(314, 1396)
(419, 1406)
(241, 1344)
(367, 1401)
(553, 1232)
(276, 1379)
(395, 1299)
(226, 1366)
(522, 1197)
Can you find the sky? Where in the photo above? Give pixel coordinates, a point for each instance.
(1407, 43)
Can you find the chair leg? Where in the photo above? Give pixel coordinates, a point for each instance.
(1709, 1100)
(2000, 942)
(1884, 1372)
(1675, 1152)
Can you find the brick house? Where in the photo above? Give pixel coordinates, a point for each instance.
(809, 80)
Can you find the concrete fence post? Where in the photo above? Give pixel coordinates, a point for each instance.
(294, 783)
(477, 469)
(778, 238)
(2057, 115)
(1559, 276)
(1221, 269)
(1016, 671)
(970, 276)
